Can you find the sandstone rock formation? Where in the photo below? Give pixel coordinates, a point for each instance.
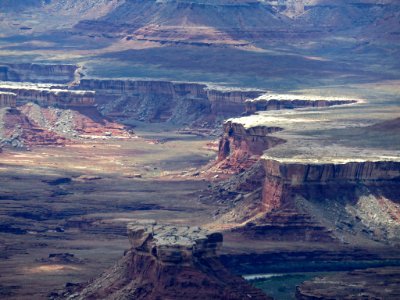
(160, 101)
(240, 147)
(168, 262)
(48, 95)
(311, 190)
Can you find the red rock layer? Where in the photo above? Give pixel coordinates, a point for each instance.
(239, 148)
(31, 125)
(168, 262)
(20, 131)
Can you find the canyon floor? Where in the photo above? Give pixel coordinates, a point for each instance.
(78, 199)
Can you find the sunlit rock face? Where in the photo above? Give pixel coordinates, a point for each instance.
(168, 262)
(277, 102)
(240, 147)
(48, 95)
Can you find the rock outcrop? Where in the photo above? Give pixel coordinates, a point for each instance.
(168, 262)
(18, 131)
(346, 202)
(240, 147)
(160, 101)
(32, 125)
(29, 72)
(48, 95)
(8, 99)
(309, 191)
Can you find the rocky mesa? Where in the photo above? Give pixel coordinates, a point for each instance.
(168, 262)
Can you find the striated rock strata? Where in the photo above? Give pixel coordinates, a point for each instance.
(57, 73)
(32, 125)
(332, 197)
(47, 95)
(8, 99)
(278, 102)
(160, 101)
(240, 147)
(168, 262)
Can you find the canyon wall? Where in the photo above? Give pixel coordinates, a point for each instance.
(304, 199)
(8, 99)
(30, 72)
(49, 96)
(330, 201)
(276, 104)
(160, 101)
(240, 147)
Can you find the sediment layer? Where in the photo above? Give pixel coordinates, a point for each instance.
(278, 102)
(160, 101)
(29, 72)
(48, 95)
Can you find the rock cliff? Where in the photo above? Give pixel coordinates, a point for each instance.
(30, 72)
(357, 198)
(8, 99)
(240, 147)
(310, 190)
(160, 101)
(168, 262)
(278, 102)
(48, 95)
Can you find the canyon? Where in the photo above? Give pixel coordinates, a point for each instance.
(199, 149)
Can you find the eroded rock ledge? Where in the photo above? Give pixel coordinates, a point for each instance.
(240, 147)
(160, 101)
(58, 73)
(172, 244)
(167, 262)
(285, 101)
(48, 95)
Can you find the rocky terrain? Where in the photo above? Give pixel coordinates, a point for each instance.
(172, 262)
(307, 192)
(32, 125)
(273, 122)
